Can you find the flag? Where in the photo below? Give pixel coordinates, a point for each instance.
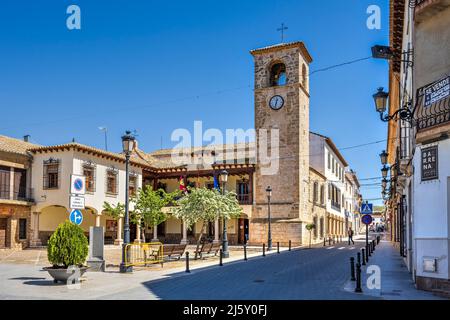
(182, 184)
(216, 183)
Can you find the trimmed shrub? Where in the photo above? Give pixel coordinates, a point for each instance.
(68, 246)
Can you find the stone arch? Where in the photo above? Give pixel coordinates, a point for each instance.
(277, 74)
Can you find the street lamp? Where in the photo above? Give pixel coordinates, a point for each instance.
(223, 180)
(384, 171)
(380, 98)
(384, 183)
(127, 146)
(269, 233)
(383, 157)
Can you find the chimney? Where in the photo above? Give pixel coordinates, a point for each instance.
(26, 138)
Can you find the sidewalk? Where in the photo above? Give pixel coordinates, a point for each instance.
(396, 281)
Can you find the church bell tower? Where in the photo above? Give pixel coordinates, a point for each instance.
(281, 107)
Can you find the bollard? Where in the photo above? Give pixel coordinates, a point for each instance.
(290, 244)
(264, 249)
(358, 278)
(363, 256)
(369, 252)
(187, 262)
(220, 257)
(329, 240)
(324, 241)
(352, 268)
(373, 245)
(358, 258)
(278, 247)
(245, 252)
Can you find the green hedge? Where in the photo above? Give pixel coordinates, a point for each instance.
(67, 246)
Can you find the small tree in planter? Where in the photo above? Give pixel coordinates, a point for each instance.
(67, 248)
(310, 228)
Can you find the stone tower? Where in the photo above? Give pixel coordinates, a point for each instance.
(282, 103)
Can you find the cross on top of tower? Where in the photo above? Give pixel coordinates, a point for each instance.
(283, 27)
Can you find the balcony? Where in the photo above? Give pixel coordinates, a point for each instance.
(424, 9)
(244, 199)
(432, 109)
(18, 194)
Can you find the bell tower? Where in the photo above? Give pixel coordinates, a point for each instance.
(281, 108)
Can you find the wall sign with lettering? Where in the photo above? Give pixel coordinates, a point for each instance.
(430, 163)
(437, 91)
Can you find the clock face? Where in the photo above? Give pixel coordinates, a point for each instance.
(276, 102)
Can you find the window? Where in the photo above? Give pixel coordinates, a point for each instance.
(322, 194)
(329, 160)
(22, 229)
(316, 226)
(243, 192)
(315, 192)
(51, 174)
(4, 182)
(111, 182)
(20, 183)
(278, 75)
(89, 173)
(132, 185)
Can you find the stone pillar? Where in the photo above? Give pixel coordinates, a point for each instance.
(155, 233)
(138, 234)
(119, 239)
(184, 240)
(97, 220)
(216, 231)
(35, 241)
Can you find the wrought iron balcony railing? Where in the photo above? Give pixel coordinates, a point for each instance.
(433, 104)
(20, 194)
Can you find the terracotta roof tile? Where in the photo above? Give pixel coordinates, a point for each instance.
(17, 146)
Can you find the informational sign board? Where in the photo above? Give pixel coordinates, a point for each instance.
(437, 91)
(367, 208)
(76, 202)
(429, 163)
(76, 217)
(77, 184)
(366, 219)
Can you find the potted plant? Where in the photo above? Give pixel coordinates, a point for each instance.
(67, 250)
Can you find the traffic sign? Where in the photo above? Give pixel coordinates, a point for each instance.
(76, 202)
(367, 208)
(366, 219)
(76, 217)
(77, 184)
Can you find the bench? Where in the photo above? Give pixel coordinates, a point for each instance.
(208, 248)
(170, 250)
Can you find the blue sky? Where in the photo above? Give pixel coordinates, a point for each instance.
(154, 66)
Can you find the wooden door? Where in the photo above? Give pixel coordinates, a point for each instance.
(3, 233)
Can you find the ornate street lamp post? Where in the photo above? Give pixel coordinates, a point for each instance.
(127, 147)
(269, 233)
(380, 98)
(223, 180)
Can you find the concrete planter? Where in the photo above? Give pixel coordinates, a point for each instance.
(63, 274)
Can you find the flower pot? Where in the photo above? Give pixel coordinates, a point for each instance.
(66, 275)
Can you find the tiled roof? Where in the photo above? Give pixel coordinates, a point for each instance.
(287, 45)
(216, 147)
(17, 146)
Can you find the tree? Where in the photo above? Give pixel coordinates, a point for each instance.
(67, 246)
(148, 204)
(205, 205)
(116, 212)
(310, 227)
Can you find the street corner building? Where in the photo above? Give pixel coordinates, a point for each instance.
(312, 183)
(417, 195)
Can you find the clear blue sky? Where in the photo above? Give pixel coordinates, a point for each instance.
(155, 66)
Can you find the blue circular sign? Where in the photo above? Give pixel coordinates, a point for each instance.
(78, 184)
(366, 219)
(76, 217)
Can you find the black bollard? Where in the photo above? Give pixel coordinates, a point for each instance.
(290, 244)
(358, 258)
(329, 240)
(245, 252)
(369, 252)
(220, 257)
(363, 256)
(264, 249)
(358, 278)
(373, 245)
(352, 268)
(324, 241)
(187, 262)
(278, 247)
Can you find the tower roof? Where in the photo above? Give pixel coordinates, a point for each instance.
(277, 47)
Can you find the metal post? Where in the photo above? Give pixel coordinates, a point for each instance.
(329, 240)
(126, 237)
(220, 257)
(290, 243)
(358, 278)
(264, 249)
(226, 254)
(278, 247)
(352, 268)
(245, 252)
(269, 236)
(363, 256)
(187, 262)
(369, 253)
(324, 241)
